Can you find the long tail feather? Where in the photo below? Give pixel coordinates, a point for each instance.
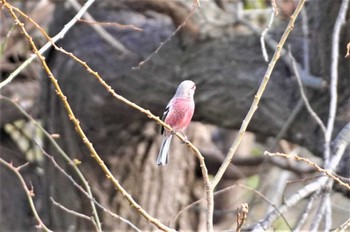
(164, 151)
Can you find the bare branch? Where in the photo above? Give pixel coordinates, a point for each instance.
(339, 145)
(63, 154)
(334, 76)
(102, 32)
(72, 212)
(325, 171)
(320, 213)
(347, 50)
(54, 39)
(111, 24)
(290, 202)
(274, 6)
(29, 193)
(303, 95)
(86, 193)
(286, 125)
(308, 79)
(306, 40)
(343, 227)
(170, 37)
(262, 37)
(305, 214)
(258, 95)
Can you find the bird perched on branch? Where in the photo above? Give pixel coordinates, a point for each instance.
(178, 114)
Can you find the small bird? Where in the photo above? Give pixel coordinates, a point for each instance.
(178, 114)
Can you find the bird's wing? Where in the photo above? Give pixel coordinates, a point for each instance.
(165, 114)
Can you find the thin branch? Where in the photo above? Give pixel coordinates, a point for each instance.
(286, 125)
(105, 35)
(170, 37)
(347, 50)
(54, 39)
(111, 24)
(62, 153)
(340, 143)
(72, 212)
(262, 37)
(340, 21)
(343, 227)
(258, 95)
(328, 212)
(274, 7)
(302, 219)
(29, 193)
(308, 79)
(303, 95)
(306, 40)
(91, 198)
(290, 202)
(325, 171)
(216, 193)
(320, 213)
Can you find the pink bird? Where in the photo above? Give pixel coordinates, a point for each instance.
(178, 114)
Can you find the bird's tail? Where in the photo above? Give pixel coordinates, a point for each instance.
(164, 151)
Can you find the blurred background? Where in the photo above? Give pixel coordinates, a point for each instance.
(217, 45)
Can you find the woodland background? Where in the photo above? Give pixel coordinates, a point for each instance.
(143, 50)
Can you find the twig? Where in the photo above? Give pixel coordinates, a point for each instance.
(72, 212)
(274, 6)
(301, 220)
(340, 21)
(303, 95)
(54, 39)
(343, 227)
(105, 35)
(291, 201)
(63, 154)
(170, 37)
(111, 24)
(328, 212)
(308, 79)
(29, 193)
(306, 40)
(90, 197)
(320, 213)
(340, 143)
(327, 172)
(262, 37)
(347, 50)
(257, 97)
(286, 125)
(216, 193)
